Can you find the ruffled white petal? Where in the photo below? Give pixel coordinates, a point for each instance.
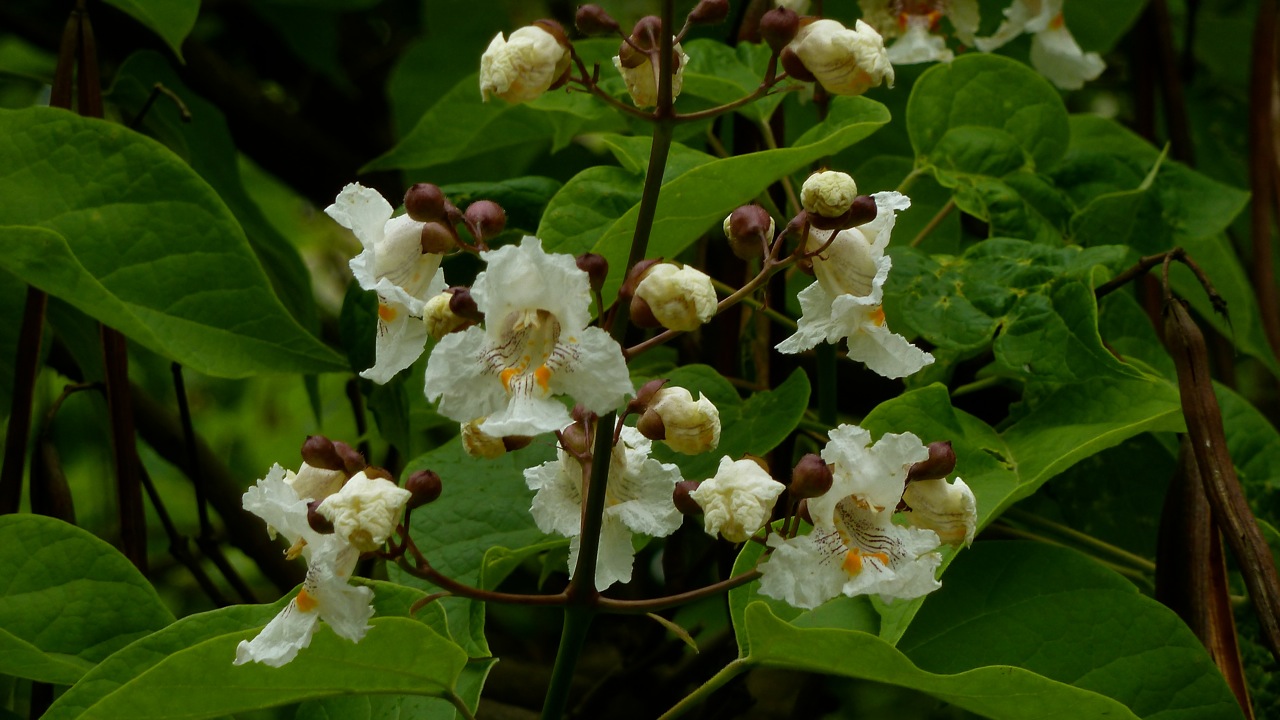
(459, 378)
(875, 473)
(282, 638)
(398, 343)
(615, 557)
(523, 277)
(1055, 53)
(557, 506)
(893, 562)
(918, 45)
(363, 211)
(804, 571)
(597, 377)
(274, 500)
(640, 487)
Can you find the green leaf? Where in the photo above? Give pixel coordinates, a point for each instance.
(1080, 624)
(13, 301)
(988, 91)
(723, 74)
(994, 692)
(699, 200)
(485, 504)
(122, 229)
(524, 199)
(1099, 24)
(462, 125)
(754, 426)
(206, 144)
(172, 20)
(67, 600)
(398, 655)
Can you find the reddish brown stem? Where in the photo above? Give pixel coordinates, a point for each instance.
(1263, 168)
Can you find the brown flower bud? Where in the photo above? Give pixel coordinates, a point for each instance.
(596, 268)
(810, 478)
(463, 305)
(651, 426)
(486, 219)
(749, 229)
(942, 460)
(593, 20)
(778, 27)
(862, 211)
(374, 472)
(645, 394)
(425, 203)
(576, 440)
(555, 30)
(318, 452)
(438, 238)
(318, 522)
(794, 66)
(803, 511)
(352, 461)
(709, 12)
(642, 315)
(685, 504)
(637, 273)
(425, 486)
(647, 32)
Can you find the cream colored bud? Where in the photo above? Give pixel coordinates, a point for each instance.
(365, 511)
(949, 509)
(480, 444)
(690, 427)
(521, 68)
(846, 62)
(828, 193)
(642, 80)
(738, 500)
(681, 298)
(440, 319)
(314, 483)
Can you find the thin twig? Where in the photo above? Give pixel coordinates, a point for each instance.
(935, 222)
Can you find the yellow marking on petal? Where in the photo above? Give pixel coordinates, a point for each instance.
(877, 317)
(882, 557)
(505, 376)
(852, 562)
(1057, 21)
(543, 376)
(386, 313)
(293, 552)
(305, 602)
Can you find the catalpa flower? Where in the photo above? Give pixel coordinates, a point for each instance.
(393, 265)
(845, 302)
(523, 67)
(855, 548)
(638, 499)
(1054, 50)
(325, 594)
(535, 344)
(915, 24)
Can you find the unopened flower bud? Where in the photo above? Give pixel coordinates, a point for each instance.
(942, 460)
(425, 487)
(802, 511)
(846, 62)
(637, 68)
(318, 522)
(811, 477)
(684, 503)
(644, 396)
(647, 32)
(425, 203)
(709, 12)
(593, 20)
(949, 509)
(738, 500)
(438, 238)
(642, 315)
(523, 67)
(680, 298)
(352, 461)
(463, 305)
(366, 510)
(440, 318)
(480, 444)
(778, 27)
(596, 268)
(318, 451)
(795, 66)
(828, 194)
(375, 472)
(486, 219)
(315, 483)
(750, 229)
(689, 427)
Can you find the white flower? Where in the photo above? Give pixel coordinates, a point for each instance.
(365, 511)
(642, 80)
(738, 500)
(523, 67)
(393, 265)
(845, 302)
(846, 62)
(949, 509)
(638, 499)
(688, 427)
(535, 344)
(1054, 51)
(855, 547)
(915, 27)
(325, 594)
(828, 193)
(680, 298)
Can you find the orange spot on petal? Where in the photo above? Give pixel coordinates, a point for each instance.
(1057, 21)
(877, 316)
(505, 376)
(882, 557)
(305, 602)
(852, 562)
(543, 376)
(386, 313)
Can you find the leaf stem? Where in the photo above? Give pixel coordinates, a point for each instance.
(935, 222)
(640, 607)
(704, 691)
(460, 705)
(768, 312)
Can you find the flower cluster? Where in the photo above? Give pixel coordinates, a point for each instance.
(329, 519)
(855, 547)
